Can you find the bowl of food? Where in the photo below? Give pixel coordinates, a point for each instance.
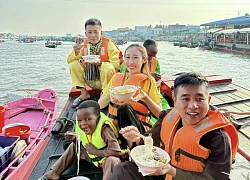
(79, 178)
(160, 158)
(91, 58)
(122, 93)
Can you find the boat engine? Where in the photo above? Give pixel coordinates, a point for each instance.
(62, 125)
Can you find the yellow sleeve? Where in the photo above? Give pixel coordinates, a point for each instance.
(150, 88)
(113, 53)
(105, 90)
(72, 57)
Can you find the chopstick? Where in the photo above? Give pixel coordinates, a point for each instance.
(139, 135)
(111, 88)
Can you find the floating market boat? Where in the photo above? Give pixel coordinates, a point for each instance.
(224, 93)
(30, 118)
(231, 35)
(51, 44)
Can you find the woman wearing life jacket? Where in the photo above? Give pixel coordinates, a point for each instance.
(201, 143)
(95, 44)
(155, 70)
(135, 112)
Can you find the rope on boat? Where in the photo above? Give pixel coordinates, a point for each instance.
(47, 125)
(228, 114)
(45, 110)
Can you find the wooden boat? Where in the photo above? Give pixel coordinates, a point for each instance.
(176, 43)
(205, 47)
(38, 113)
(58, 43)
(231, 35)
(50, 44)
(28, 40)
(222, 90)
(120, 42)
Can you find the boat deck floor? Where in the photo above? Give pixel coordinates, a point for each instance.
(55, 149)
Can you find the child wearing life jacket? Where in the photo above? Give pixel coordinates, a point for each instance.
(155, 69)
(99, 144)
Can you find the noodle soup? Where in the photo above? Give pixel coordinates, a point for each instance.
(122, 93)
(159, 159)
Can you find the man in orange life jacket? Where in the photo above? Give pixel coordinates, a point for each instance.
(201, 143)
(95, 44)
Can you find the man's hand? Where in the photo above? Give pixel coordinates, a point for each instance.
(167, 169)
(129, 135)
(77, 49)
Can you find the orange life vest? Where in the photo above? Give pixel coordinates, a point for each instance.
(183, 146)
(140, 107)
(153, 64)
(104, 50)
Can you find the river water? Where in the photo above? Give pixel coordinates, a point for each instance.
(33, 66)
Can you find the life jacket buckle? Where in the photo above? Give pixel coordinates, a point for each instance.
(177, 155)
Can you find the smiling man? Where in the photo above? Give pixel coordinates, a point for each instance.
(201, 143)
(95, 44)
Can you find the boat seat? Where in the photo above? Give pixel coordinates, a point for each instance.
(86, 169)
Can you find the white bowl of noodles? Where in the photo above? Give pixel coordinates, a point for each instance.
(122, 93)
(91, 58)
(160, 158)
(79, 178)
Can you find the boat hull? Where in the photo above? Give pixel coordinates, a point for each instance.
(38, 113)
(231, 47)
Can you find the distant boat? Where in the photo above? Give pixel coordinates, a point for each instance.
(1, 41)
(120, 42)
(50, 44)
(231, 35)
(176, 43)
(28, 40)
(58, 43)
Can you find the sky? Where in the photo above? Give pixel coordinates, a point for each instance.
(58, 17)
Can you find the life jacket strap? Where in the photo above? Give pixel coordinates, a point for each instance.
(96, 159)
(137, 112)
